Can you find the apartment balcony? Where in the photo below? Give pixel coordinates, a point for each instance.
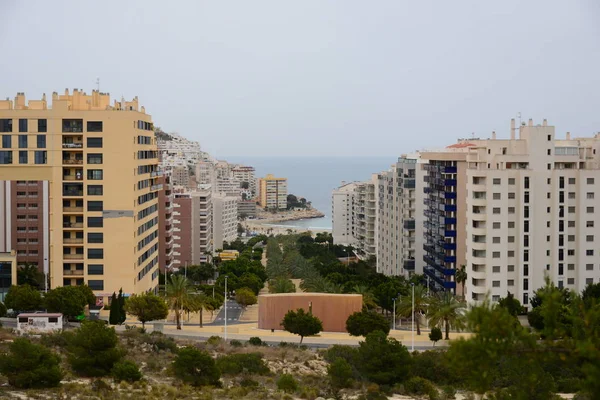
(72, 161)
(448, 207)
(72, 145)
(154, 174)
(72, 193)
(72, 225)
(73, 241)
(68, 210)
(478, 201)
(72, 272)
(409, 265)
(73, 256)
(77, 177)
(410, 224)
(154, 188)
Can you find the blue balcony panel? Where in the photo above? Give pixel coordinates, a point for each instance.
(449, 207)
(450, 221)
(449, 233)
(449, 170)
(450, 259)
(450, 195)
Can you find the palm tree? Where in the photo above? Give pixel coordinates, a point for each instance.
(461, 278)
(421, 303)
(367, 295)
(179, 292)
(447, 310)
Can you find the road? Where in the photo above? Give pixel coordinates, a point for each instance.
(234, 311)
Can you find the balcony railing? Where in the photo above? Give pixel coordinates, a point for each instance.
(73, 241)
(71, 272)
(72, 177)
(73, 256)
(72, 161)
(72, 224)
(72, 192)
(72, 145)
(72, 209)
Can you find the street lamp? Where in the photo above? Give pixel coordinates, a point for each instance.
(225, 305)
(412, 347)
(394, 315)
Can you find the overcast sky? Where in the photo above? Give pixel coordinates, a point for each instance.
(317, 77)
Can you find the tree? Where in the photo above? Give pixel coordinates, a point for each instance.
(245, 297)
(301, 323)
(3, 310)
(444, 309)
(244, 185)
(591, 294)
(281, 285)
(121, 304)
(385, 294)
(30, 365)
(420, 305)
(512, 305)
(29, 274)
(240, 229)
(364, 322)
(196, 367)
(178, 295)
(340, 373)
(199, 273)
(435, 334)
(147, 307)
(23, 298)
(383, 360)
(126, 370)
(70, 301)
(93, 349)
(367, 296)
(113, 317)
(461, 278)
(251, 281)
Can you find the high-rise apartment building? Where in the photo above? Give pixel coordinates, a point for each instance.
(243, 174)
(224, 218)
(341, 211)
(206, 173)
(364, 215)
(166, 201)
(99, 161)
(273, 193)
(180, 176)
(192, 227)
(532, 212)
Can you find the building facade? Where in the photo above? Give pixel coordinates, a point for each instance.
(192, 227)
(180, 176)
(165, 210)
(246, 174)
(364, 216)
(273, 193)
(342, 206)
(100, 162)
(224, 220)
(246, 208)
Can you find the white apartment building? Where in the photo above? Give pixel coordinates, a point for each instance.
(365, 217)
(224, 220)
(243, 173)
(180, 152)
(532, 212)
(180, 176)
(206, 173)
(342, 201)
(388, 224)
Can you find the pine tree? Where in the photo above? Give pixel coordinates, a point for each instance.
(121, 301)
(113, 317)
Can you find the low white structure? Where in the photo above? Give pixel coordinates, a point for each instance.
(39, 323)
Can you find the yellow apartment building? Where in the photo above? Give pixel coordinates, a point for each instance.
(273, 192)
(100, 162)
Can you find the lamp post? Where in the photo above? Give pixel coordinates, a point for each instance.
(394, 316)
(225, 305)
(412, 347)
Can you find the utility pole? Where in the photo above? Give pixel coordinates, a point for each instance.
(225, 305)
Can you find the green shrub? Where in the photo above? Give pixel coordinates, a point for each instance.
(435, 334)
(569, 385)
(160, 342)
(235, 343)
(348, 353)
(383, 360)
(57, 339)
(364, 322)
(432, 365)
(214, 340)
(196, 367)
(255, 341)
(340, 373)
(30, 365)
(126, 370)
(419, 386)
(93, 349)
(287, 383)
(449, 392)
(234, 364)
(248, 383)
(3, 310)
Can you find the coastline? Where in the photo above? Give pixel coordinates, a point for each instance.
(270, 218)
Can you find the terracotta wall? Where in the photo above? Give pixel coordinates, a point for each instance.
(332, 309)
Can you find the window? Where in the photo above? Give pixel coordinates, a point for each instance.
(526, 198)
(549, 181)
(95, 237)
(94, 158)
(525, 298)
(589, 281)
(511, 210)
(95, 284)
(510, 282)
(93, 142)
(22, 141)
(570, 281)
(511, 239)
(572, 181)
(589, 252)
(571, 209)
(496, 181)
(549, 195)
(95, 190)
(6, 157)
(549, 138)
(511, 224)
(40, 157)
(94, 126)
(526, 255)
(561, 269)
(571, 238)
(511, 181)
(496, 269)
(526, 182)
(495, 225)
(23, 157)
(496, 196)
(95, 254)
(549, 166)
(549, 152)
(511, 195)
(95, 222)
(526, 240)
(94, 206)
(510, 253)
(6, 141)
(496, 297)
(22, 125)
(589, 238)
(496, 283)
(571, 195)
(589, 210)
(53, 320)
(548, 210)
(571, 267)
(589, 224)
(496, 254)
(571, 224)
(590, 195)
(42, 125)
(95, 269)
(72, 125)
(589, 267)
(526, 226)
(6, 125)
(571, 252)
(525, 284)
(41, 141)
(511, 268)
(94, 174)
(496, 239)
(496, 210)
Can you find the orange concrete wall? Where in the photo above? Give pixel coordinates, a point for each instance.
(332, 309)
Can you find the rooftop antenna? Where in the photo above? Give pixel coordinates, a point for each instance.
(519, 116)
(98, 84)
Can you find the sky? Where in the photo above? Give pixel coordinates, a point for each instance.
(317, 77)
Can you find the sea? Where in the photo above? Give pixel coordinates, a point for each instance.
(314, 178)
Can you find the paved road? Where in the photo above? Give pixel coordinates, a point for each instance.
(234, 310)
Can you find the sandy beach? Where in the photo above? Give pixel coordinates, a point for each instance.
(269, 226)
